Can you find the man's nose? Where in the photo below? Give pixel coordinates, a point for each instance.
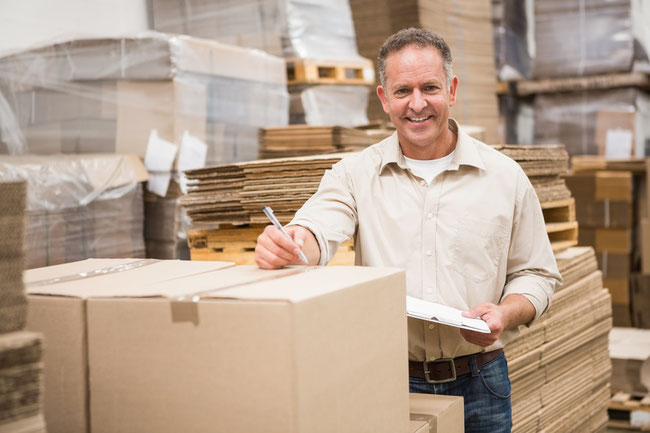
(417, 102)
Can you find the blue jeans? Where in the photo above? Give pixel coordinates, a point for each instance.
(486, 394)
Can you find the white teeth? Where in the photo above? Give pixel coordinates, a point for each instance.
(418, 119)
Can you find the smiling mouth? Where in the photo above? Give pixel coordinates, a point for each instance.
(418, 119)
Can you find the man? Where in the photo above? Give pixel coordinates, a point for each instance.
(460, 217)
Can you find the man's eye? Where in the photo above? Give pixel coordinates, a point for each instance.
(401, 91)
(430, 88)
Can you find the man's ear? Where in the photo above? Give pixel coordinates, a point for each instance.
(452, 91)
(382, 98)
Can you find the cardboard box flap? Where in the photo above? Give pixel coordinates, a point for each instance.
(114, 278)
(629, 343)
(111, 172)
(300, 283)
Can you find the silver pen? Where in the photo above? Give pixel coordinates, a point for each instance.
(269, 214)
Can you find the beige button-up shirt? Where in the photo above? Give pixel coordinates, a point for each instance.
(475, 234)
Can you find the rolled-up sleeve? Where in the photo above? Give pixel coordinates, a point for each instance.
(331, 213)
(531, 270)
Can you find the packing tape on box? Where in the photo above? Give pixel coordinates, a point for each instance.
(604, 263)
(606, 212)
(185, 308)
(96, 273)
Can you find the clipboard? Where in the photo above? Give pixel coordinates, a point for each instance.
(444, 315)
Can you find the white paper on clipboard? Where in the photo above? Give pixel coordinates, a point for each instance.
(438, 313)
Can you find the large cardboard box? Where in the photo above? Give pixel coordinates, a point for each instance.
(443, 413)
(242, 349)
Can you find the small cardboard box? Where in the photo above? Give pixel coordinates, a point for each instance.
(241, 349)
(443, 413)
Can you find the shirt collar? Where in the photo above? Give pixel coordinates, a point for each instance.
(467, 152)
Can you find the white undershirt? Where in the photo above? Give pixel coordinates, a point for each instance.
(429, 169)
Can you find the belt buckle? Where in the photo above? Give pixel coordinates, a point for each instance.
(452, 367)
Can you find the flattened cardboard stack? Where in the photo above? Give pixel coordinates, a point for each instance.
(549, 394)
(465, 25)
(236, 193)
(80, 206)
(165, 234)
(545, 166)
(157, 346)
(106, 95)
(298, 140)
(20, 351)
(629, 350)
(578, 37)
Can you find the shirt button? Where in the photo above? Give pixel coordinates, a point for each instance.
(431, 326)
(422, 183)
(428, 253)
(433, 358)
(429, 290)
(429, 215)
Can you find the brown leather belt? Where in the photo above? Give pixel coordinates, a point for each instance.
(448, 369)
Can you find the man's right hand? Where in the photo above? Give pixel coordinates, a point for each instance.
(274, 250)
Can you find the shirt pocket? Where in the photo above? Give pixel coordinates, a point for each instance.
(477, 248)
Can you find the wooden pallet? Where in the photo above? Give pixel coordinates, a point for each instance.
(630, 412)
(237, 244)
(311, 71)
(572, 84)
(561, 224)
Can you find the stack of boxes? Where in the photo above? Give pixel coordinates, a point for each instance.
(80, 206)
(319, 32)
(606, 214)
(464, 25)
(20, 351)
(107, 95)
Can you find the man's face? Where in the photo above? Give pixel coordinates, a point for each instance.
(417, 99)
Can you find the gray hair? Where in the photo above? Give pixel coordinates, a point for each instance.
(419, 37)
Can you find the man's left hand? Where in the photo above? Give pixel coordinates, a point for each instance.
(493, 315)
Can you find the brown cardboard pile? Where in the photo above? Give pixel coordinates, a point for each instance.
(577, 37)
(629, 350)
(605, 211)
(466, 26)
(164, 229)
(80, 206)
(20, 351)
(147, 345)
(107, 95)
(611, 204)
(544, 166)
(297, 140)
(236, 193)
(559, 367)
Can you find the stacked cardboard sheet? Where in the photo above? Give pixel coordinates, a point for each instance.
(612, 122)
(80, 206)
(296, 140)
(20, 351)
(165, 226)
(149, 345)
(579, 37)
(107, 95)
(549, 394)
(465, 25)
(289, 28)
(629, 350)
(236, 193)
(13, 303)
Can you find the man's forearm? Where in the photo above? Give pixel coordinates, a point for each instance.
(517, 310)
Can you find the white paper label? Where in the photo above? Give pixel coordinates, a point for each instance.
(159, 183)
(618, 143)
(193, 153)
(160, 153)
